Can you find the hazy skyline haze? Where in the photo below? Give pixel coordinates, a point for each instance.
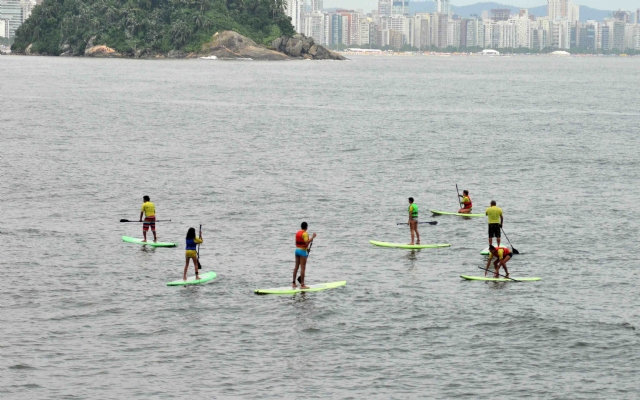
(368, 5)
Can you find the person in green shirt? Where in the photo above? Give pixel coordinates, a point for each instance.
(495, 219)
(413, 221)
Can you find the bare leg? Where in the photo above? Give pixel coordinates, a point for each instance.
(498, 239)
(490, 241)
(303, 266)
(496, 266)
(504, 265)
(155, 238)
(464, 211)
(415, 227)
(195, 264)
(186, 268)
(295, 272)
(144, 233)
(411, 229)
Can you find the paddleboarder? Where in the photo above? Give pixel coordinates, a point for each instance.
(190, 251)
(149, 212)
(495, 219)
(503, 255)
(413, 221)
(302, 254)
(466, 203)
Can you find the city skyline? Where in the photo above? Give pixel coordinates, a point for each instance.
(597, 4)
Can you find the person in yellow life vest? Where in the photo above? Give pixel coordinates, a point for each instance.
(495, 219)
(502, 255)
(302, 253)
(191, 252)
(466, 203)
(149, 212)
(413, 221)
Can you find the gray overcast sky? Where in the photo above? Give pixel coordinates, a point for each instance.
(368, 5)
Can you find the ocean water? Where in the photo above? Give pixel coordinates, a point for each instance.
(250, 150)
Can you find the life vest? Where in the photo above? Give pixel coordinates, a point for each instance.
(414, 212)
(505, 251)
(300, 243)
(468, 204)
(191, 244)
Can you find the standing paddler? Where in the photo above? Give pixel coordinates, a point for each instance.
(302, 253)
(413, 221)
(495, 219)
(149, 212)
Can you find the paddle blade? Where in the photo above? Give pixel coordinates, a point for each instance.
(433, 223)
(124, 220)
(514, 250)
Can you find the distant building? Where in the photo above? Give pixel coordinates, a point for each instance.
(384, 8)
(500, 14)
(400, 7)
(443, 6)
(4, 28)
(624, 16)
(295, 10)
(316, 6)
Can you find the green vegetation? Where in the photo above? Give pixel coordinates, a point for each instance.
(158, 26)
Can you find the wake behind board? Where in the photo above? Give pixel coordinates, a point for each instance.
(290, 290)
(488, 279)
(151, 243)
(453, 213)
(408, 246)
(206, 277)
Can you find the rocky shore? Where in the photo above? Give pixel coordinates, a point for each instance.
(226, 45)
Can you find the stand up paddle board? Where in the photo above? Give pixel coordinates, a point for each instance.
(151, 243)
(206, 277)
(484, 278)
(453, 213)
(290, 290)
(408, 246)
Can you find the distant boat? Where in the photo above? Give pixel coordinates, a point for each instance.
(209, 58)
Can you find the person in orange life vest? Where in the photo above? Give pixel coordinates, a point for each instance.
(502, 255)
(466, 203)
(149, 212)
(302, 246)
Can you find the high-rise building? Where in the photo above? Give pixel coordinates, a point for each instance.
(384, 8)
(13, 12)
(295, 10)
(559, 9)
(314, 27)
(624, 16)
(4, 28)
(316, 6)
(400, 7)
(443, 6)
(500, 14)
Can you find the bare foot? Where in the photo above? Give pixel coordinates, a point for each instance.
(197, 278)
(304, 287)
(411, 244)
(184, 278)
(293, 285)
(418, 242)
(144, 241)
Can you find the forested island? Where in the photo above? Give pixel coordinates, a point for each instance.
(158, 28)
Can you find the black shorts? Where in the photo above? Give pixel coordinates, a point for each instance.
(494, 230)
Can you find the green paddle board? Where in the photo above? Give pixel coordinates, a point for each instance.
(408, 246)
(290, 290)
(458, 214)
(151, 243)
(206, 277)
(484, 278)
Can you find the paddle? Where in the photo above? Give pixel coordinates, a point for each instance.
(308, 251)
(141, 222)
(488, 270)
(512, 249)
(198, 250)
(459, 202)
(430, 223)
